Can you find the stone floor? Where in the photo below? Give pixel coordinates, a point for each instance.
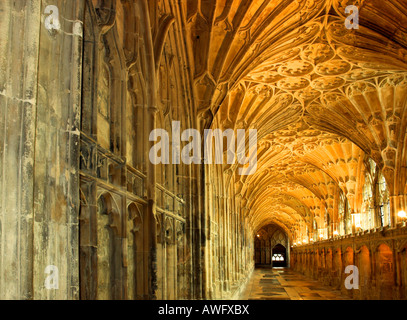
(285, 284)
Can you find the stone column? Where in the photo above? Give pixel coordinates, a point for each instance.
(41, 91)
(396, 204)
(19, 46)
(151, 219)
(397, 276)
(56, 175)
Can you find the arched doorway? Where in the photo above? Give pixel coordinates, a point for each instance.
(279, 257)
(271, 247)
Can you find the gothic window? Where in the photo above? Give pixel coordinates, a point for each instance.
(383, 201)
(348, 217)
(341, 212)
(103, 106)
(328, 223)
(373, 167)
(105, 242)
(278, 257)
(279, 254)
(135, 253)
(103, 89)
(367, 205)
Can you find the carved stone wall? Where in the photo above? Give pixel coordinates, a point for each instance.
(380, 256)
(135, 248)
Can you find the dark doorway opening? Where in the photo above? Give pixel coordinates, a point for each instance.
(270, 241)
(279, 256)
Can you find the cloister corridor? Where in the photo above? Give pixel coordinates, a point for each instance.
(177, 149)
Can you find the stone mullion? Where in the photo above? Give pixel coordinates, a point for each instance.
(238, 241)
(198, 226)
(242, 244)
(235, 247)
(122, 248)
(221, 244)
(228, 243)
(232, 248)
(209, 252)
(394, 207)
(235, 256)
(88, 241)
(151, 220)
(397, 274)
(189, 232)
(238, 237)
(225, 280)
(246, 254)
(225, 241)
(234, 244)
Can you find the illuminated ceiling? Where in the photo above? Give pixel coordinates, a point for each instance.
(322, 97)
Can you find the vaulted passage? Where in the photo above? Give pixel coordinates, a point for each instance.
(164, 149)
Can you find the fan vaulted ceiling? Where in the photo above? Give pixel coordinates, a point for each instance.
(323, 98)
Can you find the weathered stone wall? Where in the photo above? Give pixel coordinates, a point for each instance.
(18, 101)
(40, 105)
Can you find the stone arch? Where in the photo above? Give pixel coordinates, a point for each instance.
(170, 258)
(88, 110)
(279, 256)
(364, 265)
(322, 260)
(108, 248)
(263, 251)
(160, 239)
(181, 261)
(279, 237)
(316, 265)
(312, 268)
(385, 271)
(87, 244)
(267, 238)
(348, 260)
(328, 260)
(257, 245)
(403, 270)
(135, 253)
(337, 268)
